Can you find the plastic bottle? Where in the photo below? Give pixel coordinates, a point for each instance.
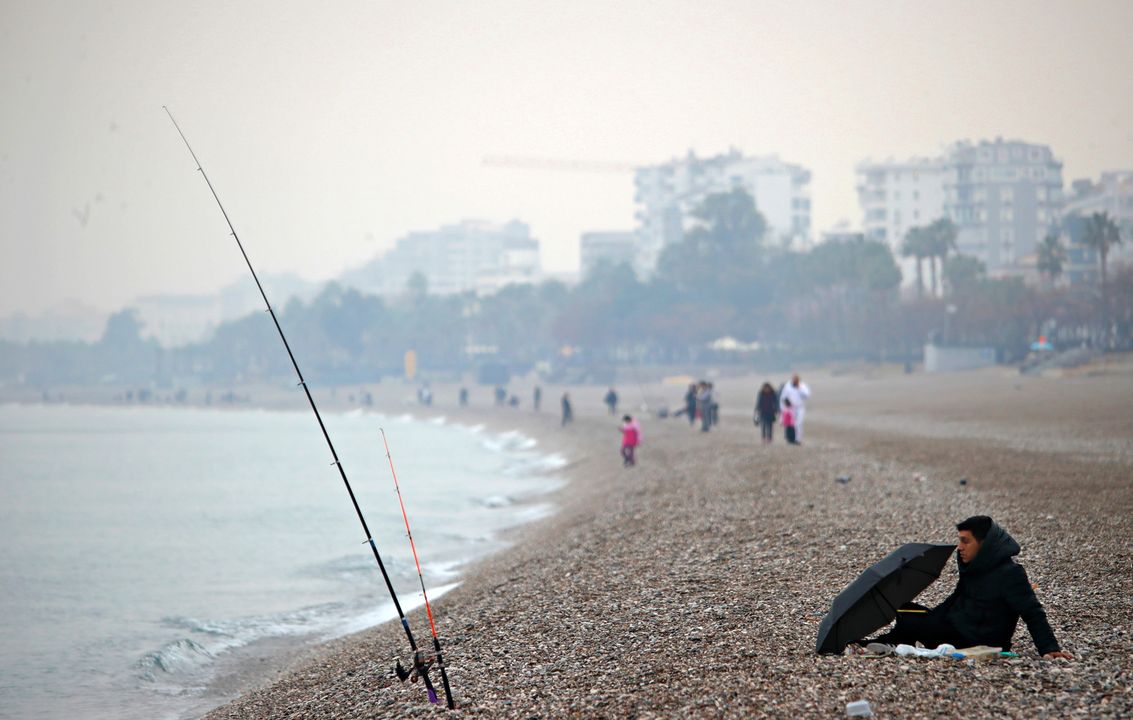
(859, 708)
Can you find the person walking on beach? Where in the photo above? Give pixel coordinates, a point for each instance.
(992, 594)
(537, 397)
(766, 408)
(690, 404)
(631, 438)
(798, 393)
(568, 415)
(714, 406)
(611, 401)
(704, 406)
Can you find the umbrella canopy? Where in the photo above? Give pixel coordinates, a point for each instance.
(871, 601)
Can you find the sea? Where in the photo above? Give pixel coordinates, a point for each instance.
(142, 548)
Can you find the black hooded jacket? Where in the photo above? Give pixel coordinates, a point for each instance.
(993, 593)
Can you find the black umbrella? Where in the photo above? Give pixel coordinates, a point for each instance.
(871, 601)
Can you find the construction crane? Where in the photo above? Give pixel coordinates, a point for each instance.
(543, 163)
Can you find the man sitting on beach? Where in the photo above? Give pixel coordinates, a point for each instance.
(991, 596)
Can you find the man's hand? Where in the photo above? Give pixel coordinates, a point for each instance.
(1058, 654)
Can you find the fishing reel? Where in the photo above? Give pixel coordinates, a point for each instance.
(422, 661)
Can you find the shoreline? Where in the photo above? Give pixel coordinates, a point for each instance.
(692, 585)
(220, 656)
(271, 658)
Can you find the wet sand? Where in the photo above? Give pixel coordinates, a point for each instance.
(692, 585)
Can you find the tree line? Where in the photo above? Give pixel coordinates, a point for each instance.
(839, 300)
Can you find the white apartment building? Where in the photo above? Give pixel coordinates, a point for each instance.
(472, 255)
(896, 196)
(1004, 196)
(667, 193)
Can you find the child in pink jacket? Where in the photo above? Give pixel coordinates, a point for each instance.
(788, 417)
(631, 438)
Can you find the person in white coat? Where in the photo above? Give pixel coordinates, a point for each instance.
(798, 393)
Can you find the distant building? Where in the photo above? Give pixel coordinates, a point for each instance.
(614, 248)
(569, 278)
(175, 320)
(243, 297)
(1112, 194)
(1081, 265)
(898, 195)
(72, 320)
(469, 256)
(666, 193)
(1004, 196)
(841, 234)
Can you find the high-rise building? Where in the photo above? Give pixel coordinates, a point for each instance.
(667, 193)
(1004, 196)
(472, 255)
(898, 195)
(614, 248)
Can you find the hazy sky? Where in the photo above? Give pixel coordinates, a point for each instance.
(331, 129)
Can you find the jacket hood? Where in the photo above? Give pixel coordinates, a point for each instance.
(996, 548)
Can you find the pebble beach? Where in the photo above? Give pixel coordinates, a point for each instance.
(692, 585)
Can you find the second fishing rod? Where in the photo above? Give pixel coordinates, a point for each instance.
(420, 661)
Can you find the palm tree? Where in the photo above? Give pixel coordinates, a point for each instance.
(1101, 234)
(941, 240)
(916, 246)
(1052, 255)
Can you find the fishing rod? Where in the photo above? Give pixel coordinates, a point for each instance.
(421, 662)
(428, 608)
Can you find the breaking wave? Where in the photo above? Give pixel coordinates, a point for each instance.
(509, 441)
(512, 484)
(180, 656)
